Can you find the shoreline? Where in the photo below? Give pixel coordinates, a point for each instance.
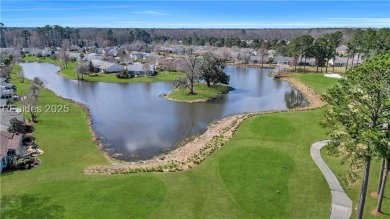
(192, 153)
(197, 150)
(95, 138)
(202, 100)
(256, 65)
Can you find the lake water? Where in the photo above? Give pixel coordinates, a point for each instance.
(134, 122)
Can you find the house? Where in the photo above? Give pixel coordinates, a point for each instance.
(35, 52)
(281, 60)
(10, 146)
(74, 48)
(137, 56)
(92, 56)
(342, 50)
(255, 59)
(112, 52)
(26, 50)
(308, 62)
(74, 55)
(338, 61)
(106, 67)
(165, 49)
(141, 70)
(6, 93)
(6, 117)
(4, 84)
(151, 58)
(47, 52)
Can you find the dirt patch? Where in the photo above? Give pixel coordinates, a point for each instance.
(374, 195)
(195, 151)
(376, 213)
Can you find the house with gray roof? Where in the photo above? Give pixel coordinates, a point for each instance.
(283, 60)
(342, 50)
(141, 70)
(137, 56)
(338, 61)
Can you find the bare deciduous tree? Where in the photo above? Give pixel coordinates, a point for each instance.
(191, 66)
(30, 101)
(81, 69)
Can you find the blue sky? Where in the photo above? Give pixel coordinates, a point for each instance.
(196, 14)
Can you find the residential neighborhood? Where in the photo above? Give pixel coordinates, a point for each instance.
(13, 131)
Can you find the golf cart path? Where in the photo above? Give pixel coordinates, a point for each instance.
(341, 204)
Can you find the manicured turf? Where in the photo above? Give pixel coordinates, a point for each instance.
(264, 177)
(110, 78)
(318, 82)
(339, 70)
(240, 180)
(202, 92)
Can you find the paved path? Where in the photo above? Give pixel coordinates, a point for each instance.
(341, 203)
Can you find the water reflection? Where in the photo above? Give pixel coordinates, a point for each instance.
(135, 123)
(294, 99)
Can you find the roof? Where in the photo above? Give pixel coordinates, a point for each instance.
(6, 117)
(96, 63)
(9, 141)
(106, 65)
(342, 48)
(141, 67)
(5, 91)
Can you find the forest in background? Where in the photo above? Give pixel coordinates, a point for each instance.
(53, 35)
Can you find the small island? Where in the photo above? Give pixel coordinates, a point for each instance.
(203, 93)
(207, 69)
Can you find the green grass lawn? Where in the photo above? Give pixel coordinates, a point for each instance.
(337, 70)
(110, 78)
(268, 153)
(202, 93)
(318, 82)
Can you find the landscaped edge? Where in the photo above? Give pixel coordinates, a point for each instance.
(194, 152)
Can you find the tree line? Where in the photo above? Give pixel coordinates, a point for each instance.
(52, 35)
(362, 45)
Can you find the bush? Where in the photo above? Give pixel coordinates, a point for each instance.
(24, 163)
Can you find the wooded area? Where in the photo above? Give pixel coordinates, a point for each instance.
(52, 35)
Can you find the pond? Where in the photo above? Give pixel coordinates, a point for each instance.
(134, 122)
